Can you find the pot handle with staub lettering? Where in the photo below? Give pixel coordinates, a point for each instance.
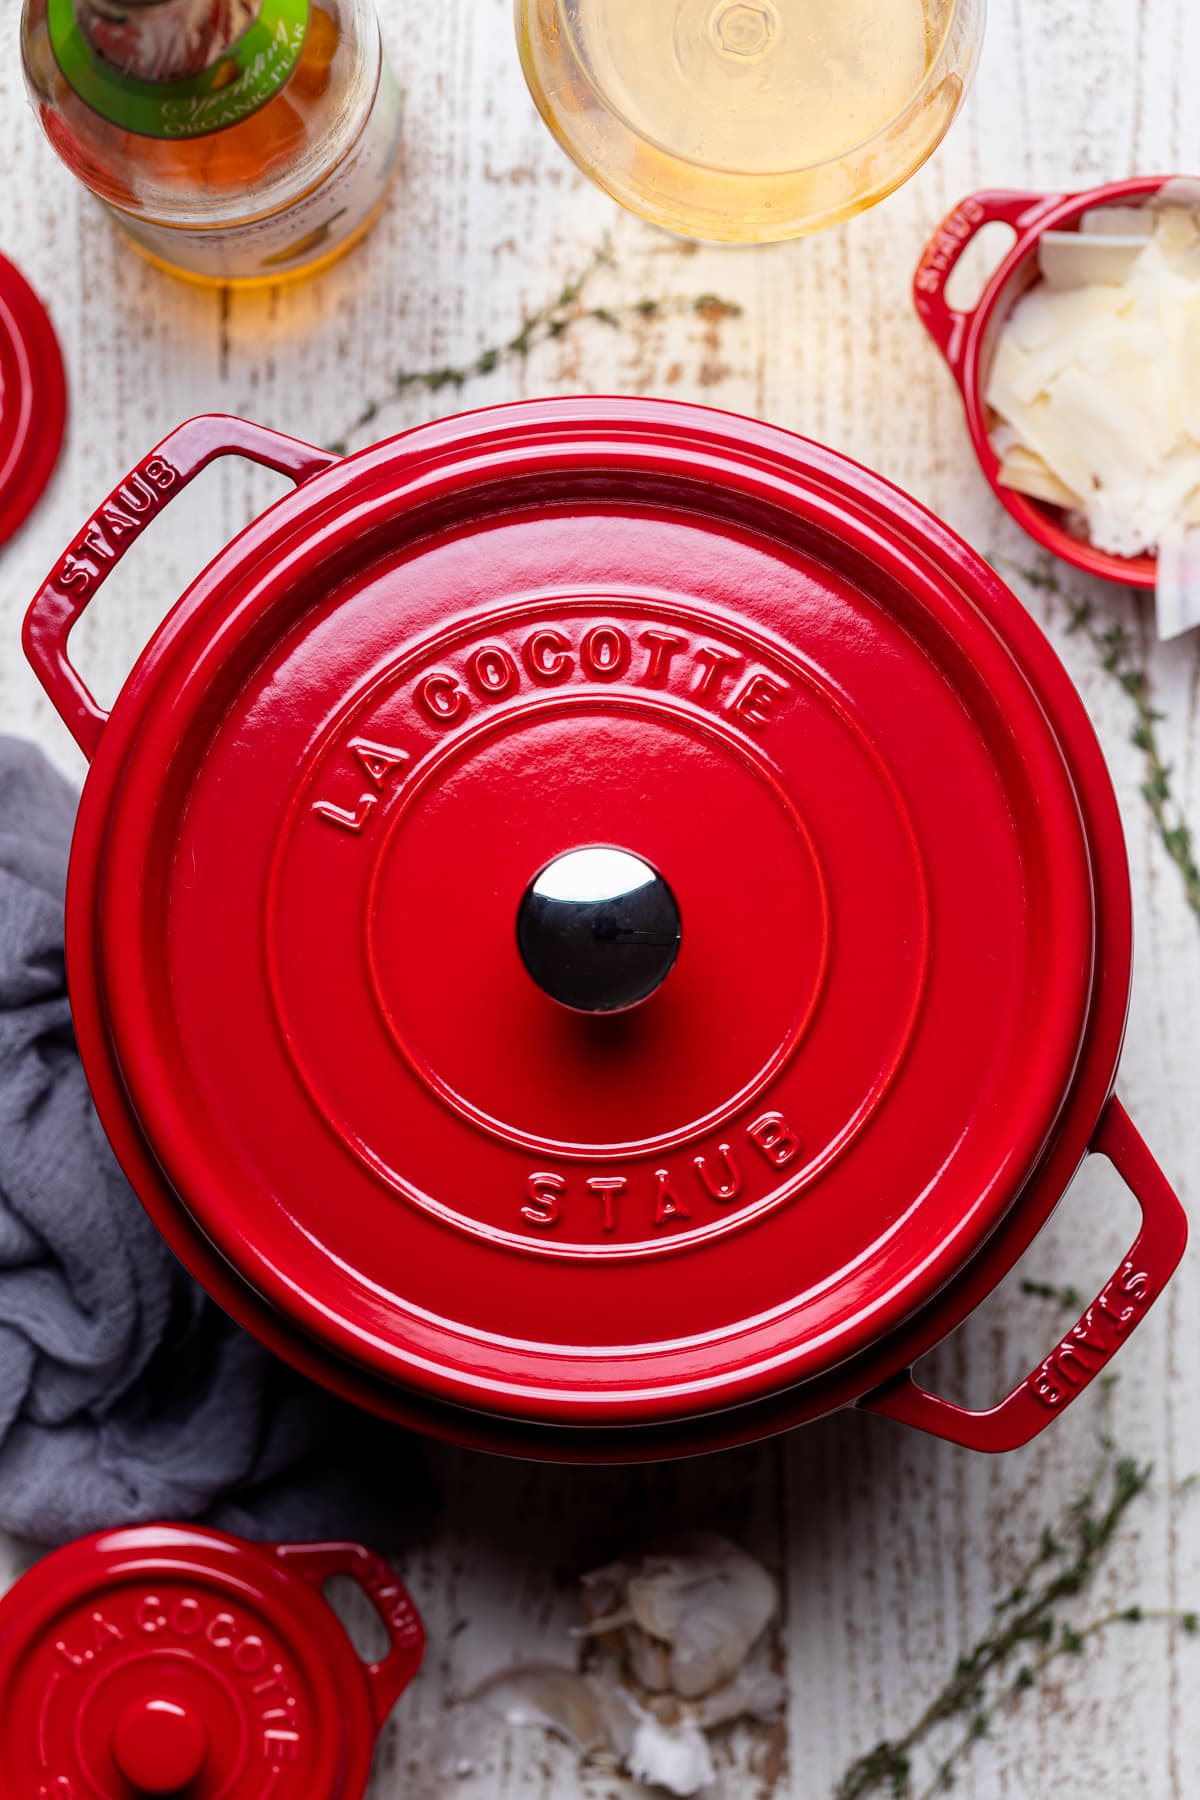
(116, 525)
(946, 325)
(319, 1563)
(1089, 1346)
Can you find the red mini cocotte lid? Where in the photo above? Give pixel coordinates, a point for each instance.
(33, 398)
(815, 791)
(169, 1660)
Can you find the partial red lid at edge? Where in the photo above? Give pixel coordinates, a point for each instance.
(171, 1660)
(33, 399)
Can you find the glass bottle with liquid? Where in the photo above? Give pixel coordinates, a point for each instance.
(235, 141)
(749, 120)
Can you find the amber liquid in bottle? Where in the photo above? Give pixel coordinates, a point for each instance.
(264, 178)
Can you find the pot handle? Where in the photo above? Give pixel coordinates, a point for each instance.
(1089, 1345)
(117, 524)
(318, 1563)
(945, 248)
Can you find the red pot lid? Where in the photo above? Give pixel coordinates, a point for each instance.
(169, 1660)
(415, 687)
(33, 399)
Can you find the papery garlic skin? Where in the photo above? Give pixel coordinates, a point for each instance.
(677, 1647)
(675, 1758)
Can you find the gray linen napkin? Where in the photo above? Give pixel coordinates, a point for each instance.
(125, 1394)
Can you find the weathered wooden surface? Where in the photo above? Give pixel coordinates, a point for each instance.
(891, 1547)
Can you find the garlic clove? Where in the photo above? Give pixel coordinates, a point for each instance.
(548, 1695)
(755, 1692)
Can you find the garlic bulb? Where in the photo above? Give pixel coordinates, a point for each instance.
(689, 1614)
(677, 1647)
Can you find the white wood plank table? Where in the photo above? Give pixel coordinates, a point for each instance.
(891, 1548)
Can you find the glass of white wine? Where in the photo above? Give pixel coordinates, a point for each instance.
(749, 120)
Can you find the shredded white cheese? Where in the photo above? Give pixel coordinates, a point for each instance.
(1095, 386)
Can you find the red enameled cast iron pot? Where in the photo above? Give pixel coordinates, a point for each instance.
(318, 810)
(967, 340)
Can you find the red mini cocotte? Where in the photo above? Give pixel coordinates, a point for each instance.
(890, 1034)
(967, 339)
(168, 1659)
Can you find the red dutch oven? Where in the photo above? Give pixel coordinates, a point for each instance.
(967, 340)
(172, 1660)
(600, 929)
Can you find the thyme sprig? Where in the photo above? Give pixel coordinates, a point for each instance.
(1068, 1297)
(1115, 648)
(1026, 1620)
(1070, 1642)
(563, 314)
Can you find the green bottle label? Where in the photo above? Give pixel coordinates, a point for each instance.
(245, 77)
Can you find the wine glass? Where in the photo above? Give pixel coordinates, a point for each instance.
(749, 120)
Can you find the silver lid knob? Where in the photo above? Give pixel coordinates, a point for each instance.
(599, 930)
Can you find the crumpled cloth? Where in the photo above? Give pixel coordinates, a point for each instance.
(126, 1395)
